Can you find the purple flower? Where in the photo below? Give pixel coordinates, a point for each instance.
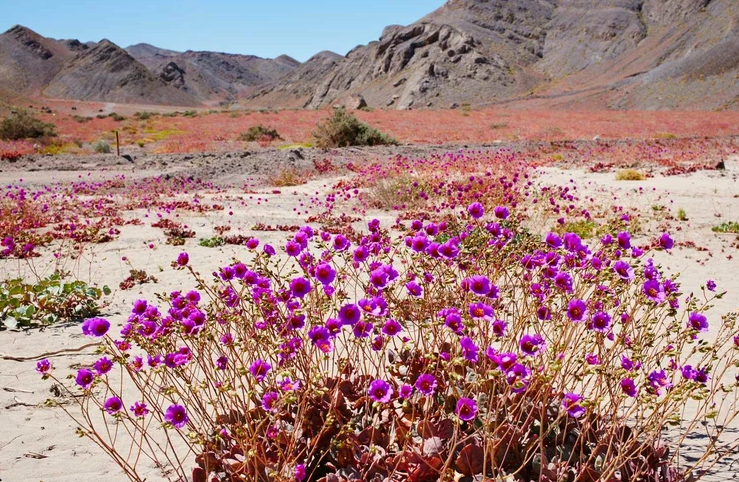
(501, 212)
(405, 391)
(517, 377)
(654, 291)
(452, 319)
(480, 285)
(139, 409)
(269, 250)
(624, 239)
(391, 327)
(43, 366)
(601, 322)
(299, 472)
(113, 405)
(666, 241)
(553, 240)
(577, 310)
(362, 329)
(300, 287)
(380, 391)
(325, 273)
(341, 243)
(698, 322)
(259, 369)
(426, 384)
(176, 415)
(688, 372)
(658, 380)
(626, 363)
(481, 311)
(571, 403)
(349, 314)
(222, 362)
(321, 337)
(592, 359)
(499, 328)
(563, 281)
(84, 378)
(96, 327)
(414, 289)
(269, 400)
(466, 409)
(183, 259)
(629, 387)
(623, 270)
(711, 285)
(476, 210)
(532, 345)
(103, 366)
(469, 349)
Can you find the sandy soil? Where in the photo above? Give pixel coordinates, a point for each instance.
(38, 443)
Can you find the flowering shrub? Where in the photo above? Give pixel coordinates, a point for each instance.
(466, 346)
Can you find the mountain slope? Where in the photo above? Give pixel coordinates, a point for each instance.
(108, 73)
(635, 54)
(212, 76)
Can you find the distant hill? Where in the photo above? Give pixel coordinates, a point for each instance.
(621, 54)
(604, 54)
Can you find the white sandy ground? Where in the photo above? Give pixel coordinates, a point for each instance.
(39, 444)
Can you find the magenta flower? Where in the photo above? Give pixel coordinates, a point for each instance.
(624, 239)
(113, 405)
(571, 403)
(654, 291)
(481, 311)
(414, 289)
(84, 378)
(466, 409)
(501, 212)
(480, 285)
(658, 380)
(426, 384)
(553, 240)
(96, 327)
(379, 278)
(259, 369)
(43, 366)
(698, 322)
(362, 329)
(176, 415)
(325, 273)
(183, 259)
(300, 472)
(601, 322)
(103, 366)
(452, 319)
(629, 387)
(666, 242)
(623, 270)
(405, 391)
(532, 345)
(321, 337)
(517, 377)
(300, 287)
(499, 328)
(469, 349)
(476, 210)
(563, 281)
(711, 285)
(391, 327)
(269, 250)
(139, 409)
(380, 391)
(577, 311)
(349, 314)
(269, 400)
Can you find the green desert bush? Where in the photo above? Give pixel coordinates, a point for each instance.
(24, 126)
(101, 147)
(48, 301)
(344, 129)
(260, 133)
(630, 175)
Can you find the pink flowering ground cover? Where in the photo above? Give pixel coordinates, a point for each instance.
(454, 341)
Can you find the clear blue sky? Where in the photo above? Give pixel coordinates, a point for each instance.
(268, 28)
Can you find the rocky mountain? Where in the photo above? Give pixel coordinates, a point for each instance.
(212, 76)
(635, 54)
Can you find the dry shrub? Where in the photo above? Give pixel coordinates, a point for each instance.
(24, 126)
(344, 129)
(630, 175)
(288, 177)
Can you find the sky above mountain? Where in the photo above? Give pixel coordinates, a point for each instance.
(298, 28)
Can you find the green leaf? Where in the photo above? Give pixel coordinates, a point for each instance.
(106, 290)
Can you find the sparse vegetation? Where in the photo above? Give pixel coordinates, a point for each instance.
(214, 242)
(24, 126)
(287, 178)
(585, 228)
(260, 133)
(731, 227)
(344, 129)
(101, 147)
(681, 215)
(144, 115)
(630, 175)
